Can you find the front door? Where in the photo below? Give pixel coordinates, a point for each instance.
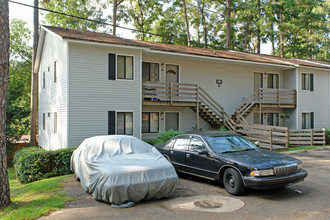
(258, 81)
(172, 73)
(172, 121)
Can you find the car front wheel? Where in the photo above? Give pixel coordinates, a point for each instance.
(233, 183)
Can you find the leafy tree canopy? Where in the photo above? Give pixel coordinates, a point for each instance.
(18, 100)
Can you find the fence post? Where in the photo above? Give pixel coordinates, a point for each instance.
(312, 137)
(171, 93)
(271, 139)
(259, 99)
(287, 144)
(197, 108)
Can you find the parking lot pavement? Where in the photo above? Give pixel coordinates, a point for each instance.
(197, 198)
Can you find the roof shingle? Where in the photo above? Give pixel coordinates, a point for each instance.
(233, 55)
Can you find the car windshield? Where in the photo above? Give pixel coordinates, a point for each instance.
(227, 144)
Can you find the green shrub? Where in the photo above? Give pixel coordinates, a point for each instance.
(327, 132)
(33, 163)
(164, 137)
(223, 129)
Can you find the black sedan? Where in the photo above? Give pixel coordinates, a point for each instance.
(232, 159)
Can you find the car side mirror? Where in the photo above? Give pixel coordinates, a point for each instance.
(257, 143)
(203, 152)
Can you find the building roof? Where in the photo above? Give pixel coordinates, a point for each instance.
(232, 55)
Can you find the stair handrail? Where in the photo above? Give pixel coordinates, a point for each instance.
(216, 108)
(248, 103)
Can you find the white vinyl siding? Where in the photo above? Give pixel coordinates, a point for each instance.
(237, 79)
(92, 95)
(316, 101)
(53, 97)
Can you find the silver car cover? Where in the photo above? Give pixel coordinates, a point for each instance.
(121, 169)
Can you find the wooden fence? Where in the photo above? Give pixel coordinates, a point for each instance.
(275, 137)
(272, 137)
(307, 137)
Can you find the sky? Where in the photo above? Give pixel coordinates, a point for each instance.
(26, 14)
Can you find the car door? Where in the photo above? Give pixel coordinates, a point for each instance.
(199, 163)
(177, 153)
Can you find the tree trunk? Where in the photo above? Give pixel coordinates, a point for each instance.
(273, 39)
(258, 29)
(281, 37)
(114, 17)
(247, 34)
(228, 25)
(186, 21)
(326, 48)
(34, 78)
(205, 30)
(4, 75)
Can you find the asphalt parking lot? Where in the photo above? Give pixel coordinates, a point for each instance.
(197, 198)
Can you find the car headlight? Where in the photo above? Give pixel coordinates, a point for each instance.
(299, 166)
(269, 172)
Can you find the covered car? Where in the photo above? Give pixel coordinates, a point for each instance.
(122, 169)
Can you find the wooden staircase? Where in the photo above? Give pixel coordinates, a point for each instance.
(195, 97)
(211, 111)
(275, 98)
(189, 95)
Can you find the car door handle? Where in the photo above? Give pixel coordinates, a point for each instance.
(187, 156)
(171, 152)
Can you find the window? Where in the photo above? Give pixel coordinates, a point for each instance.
(272, 81)
(307, 120)
(55, 122)
(196, 144)
(270, 119)
(125, 123)
(124, 67)
(267, 119)
(43, 121)
(150, 72)
(43, 80)
(55, 76)
(307, 81)
(150, 122)
(181, 143)
(122, 64)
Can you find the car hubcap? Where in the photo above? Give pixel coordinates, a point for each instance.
(231, 182)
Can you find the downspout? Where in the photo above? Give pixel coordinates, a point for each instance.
(297, 96)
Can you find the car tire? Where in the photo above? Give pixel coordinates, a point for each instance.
(232, 182)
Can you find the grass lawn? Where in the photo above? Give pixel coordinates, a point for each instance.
(32, 200)
(302, 148)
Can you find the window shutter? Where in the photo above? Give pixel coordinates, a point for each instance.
(311, 86)
(312, 120)
(111, 122)
(112, 66)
